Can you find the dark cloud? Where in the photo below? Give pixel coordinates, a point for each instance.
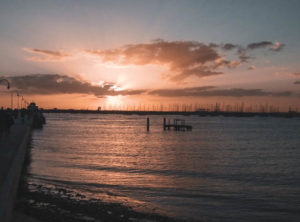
(242, 54)
(209, 91)
(281, 94)
(62, 84)
(277, 46)
(229, 46)
(257, 45)
(50, 84)
(213, 45)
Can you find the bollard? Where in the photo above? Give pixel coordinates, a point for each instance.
(148, 124)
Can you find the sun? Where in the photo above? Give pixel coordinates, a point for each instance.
(114, 102)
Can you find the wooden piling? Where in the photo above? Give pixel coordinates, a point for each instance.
(164, 123)
(148, 124)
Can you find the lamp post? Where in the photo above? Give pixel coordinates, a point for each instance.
(22, 102)
(18, 95)
(8, 86)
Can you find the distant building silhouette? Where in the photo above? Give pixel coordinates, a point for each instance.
(33, 107)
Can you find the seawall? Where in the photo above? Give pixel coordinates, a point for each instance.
(12, 154)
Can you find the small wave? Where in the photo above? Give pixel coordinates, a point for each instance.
(178, 173)
(249, 178)
(159, 191)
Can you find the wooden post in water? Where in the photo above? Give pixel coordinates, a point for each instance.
(148, 124)
(164, 123)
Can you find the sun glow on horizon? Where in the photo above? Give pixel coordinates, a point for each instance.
(114, 101)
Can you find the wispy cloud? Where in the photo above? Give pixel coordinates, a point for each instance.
(277, 46)
(42, 55)
(228, 46)
(209, 91)
(251, 67)
(62, 84)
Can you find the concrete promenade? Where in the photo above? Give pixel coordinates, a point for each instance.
(12, 155)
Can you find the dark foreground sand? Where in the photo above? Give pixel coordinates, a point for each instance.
(57, 205)
(19, 217)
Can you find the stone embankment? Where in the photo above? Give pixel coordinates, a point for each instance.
(12, 154)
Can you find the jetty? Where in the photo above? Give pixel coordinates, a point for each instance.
(13, 147)
(177, 125)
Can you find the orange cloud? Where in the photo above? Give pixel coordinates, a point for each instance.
(183, 58)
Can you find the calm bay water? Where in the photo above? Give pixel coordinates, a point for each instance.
(226, 169)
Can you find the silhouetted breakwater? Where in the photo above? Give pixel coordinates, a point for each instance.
(199, 113)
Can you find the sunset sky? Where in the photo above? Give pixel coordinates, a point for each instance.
(85, 54)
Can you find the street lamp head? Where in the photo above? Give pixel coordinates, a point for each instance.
(5, 80)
